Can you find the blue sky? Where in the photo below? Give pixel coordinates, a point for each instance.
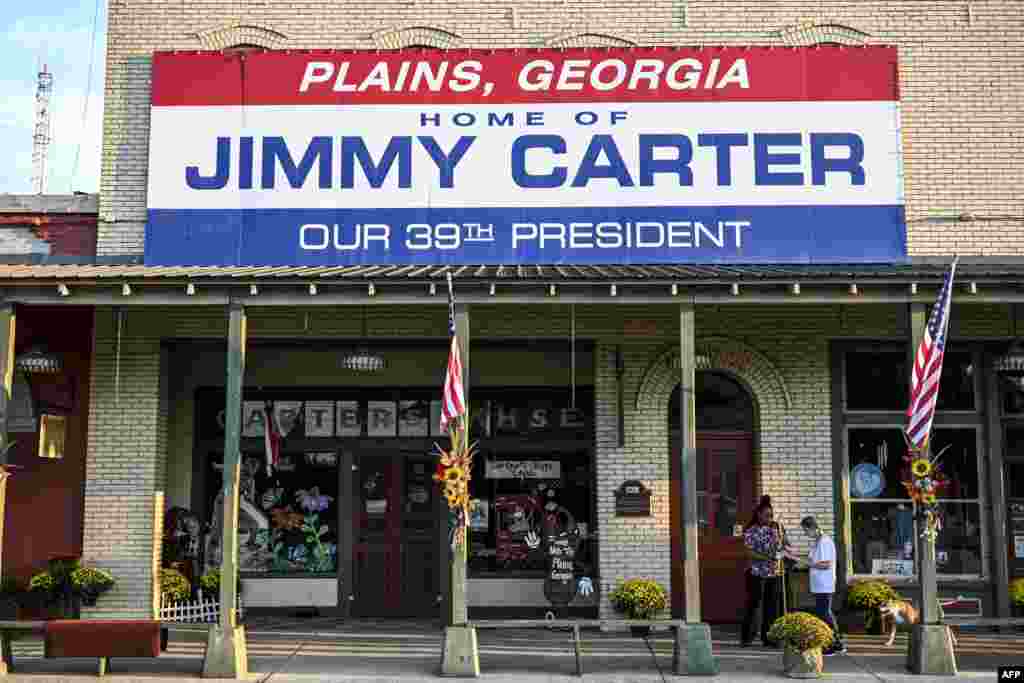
(57, 33)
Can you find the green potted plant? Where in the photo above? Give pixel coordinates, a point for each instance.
(1017, 596)
(867, 597)
(89, 583)
(174, 586)
(639, 599)
(802, 637)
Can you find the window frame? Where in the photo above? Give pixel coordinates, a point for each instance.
(976, 419)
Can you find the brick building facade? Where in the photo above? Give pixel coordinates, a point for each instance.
(958, 68)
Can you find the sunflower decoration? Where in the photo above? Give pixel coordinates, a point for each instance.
(925, 480)
(453, 470)
(921, 467)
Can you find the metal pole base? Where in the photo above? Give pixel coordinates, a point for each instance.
(461, 656)
(692, 654)
(226, 653)
(930, 651)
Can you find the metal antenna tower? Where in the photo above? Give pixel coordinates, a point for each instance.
(41, 134)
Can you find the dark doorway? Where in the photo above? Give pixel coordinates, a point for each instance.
(725, 491)
(395, 525)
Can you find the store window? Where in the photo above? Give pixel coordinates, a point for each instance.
(885, 532)
(288, 519)
(517, 496)
(1012, 390)
(866, 371)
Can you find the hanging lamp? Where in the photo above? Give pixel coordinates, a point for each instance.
(362, 359)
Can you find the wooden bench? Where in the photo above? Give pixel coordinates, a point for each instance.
(13, 630)
(674, 625)
(102, 638)
(990, 622)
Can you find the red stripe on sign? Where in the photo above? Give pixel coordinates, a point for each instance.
(422, 77)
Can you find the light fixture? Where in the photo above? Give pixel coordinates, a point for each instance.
(362, 359)
(190, 290)
(735, 289)
(253, 290)
(795, 288)
(491, 292)
(913, 289)
(973, 288)
(433, 289)
(126, 289)
(38, 361)
(63, 290)
(853, 288)
(614, 290)
(371, 290)
(312, 289)
(552, 290)
(675, 290)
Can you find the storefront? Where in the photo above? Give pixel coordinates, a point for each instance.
(740, 293)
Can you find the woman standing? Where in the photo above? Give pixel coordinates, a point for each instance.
(764, 541)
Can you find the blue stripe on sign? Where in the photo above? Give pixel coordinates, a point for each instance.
(559, 235)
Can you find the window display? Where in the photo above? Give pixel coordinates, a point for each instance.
(885, 531)
(517, 509)
(287, 520)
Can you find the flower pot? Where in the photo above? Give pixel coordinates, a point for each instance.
(640, 631)
(801, 663)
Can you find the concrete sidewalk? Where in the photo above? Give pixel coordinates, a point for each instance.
(364, 654)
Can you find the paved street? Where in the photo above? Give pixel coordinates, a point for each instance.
(324, 650)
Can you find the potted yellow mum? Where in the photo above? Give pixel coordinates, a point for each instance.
(802, 636)
(639, 599)
(1017, 596)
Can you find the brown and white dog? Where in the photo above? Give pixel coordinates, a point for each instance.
(895, 612)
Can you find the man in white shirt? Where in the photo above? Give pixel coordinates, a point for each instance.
(822, 565)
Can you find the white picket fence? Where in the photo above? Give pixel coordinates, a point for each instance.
(202, 610)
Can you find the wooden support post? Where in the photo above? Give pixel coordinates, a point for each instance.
(460, 656)
(226, 655)
(7, 331)
(694, 636)
(930, 648)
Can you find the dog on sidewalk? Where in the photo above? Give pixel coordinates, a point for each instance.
(896, 612)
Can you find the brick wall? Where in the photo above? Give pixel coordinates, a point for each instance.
(125, 465)
(960, 65)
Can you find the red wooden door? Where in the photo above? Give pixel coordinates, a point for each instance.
(377, 547)
(725, 498)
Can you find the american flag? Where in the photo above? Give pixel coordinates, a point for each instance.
(271, 437)
(453, 403)
(924, 381)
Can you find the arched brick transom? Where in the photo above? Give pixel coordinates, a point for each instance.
(397, 38)
(241, 34)
(810, 33)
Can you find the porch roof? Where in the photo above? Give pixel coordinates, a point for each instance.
(920, 270)
(987, 280)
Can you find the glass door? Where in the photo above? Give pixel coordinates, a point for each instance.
(376, 551)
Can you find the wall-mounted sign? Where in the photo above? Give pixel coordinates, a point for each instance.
(892, 567)
(632, 499)
(522, 469)
(866, 481)
(412, 418)
(381, 418)
(319, 418)
(667, 155)
(349, 419)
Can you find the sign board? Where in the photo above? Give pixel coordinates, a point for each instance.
(583, 156)
(522, 469)
(892, 567)
(560, 577)
(633, 499)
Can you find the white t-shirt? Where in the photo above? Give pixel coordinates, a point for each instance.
(823, 580)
